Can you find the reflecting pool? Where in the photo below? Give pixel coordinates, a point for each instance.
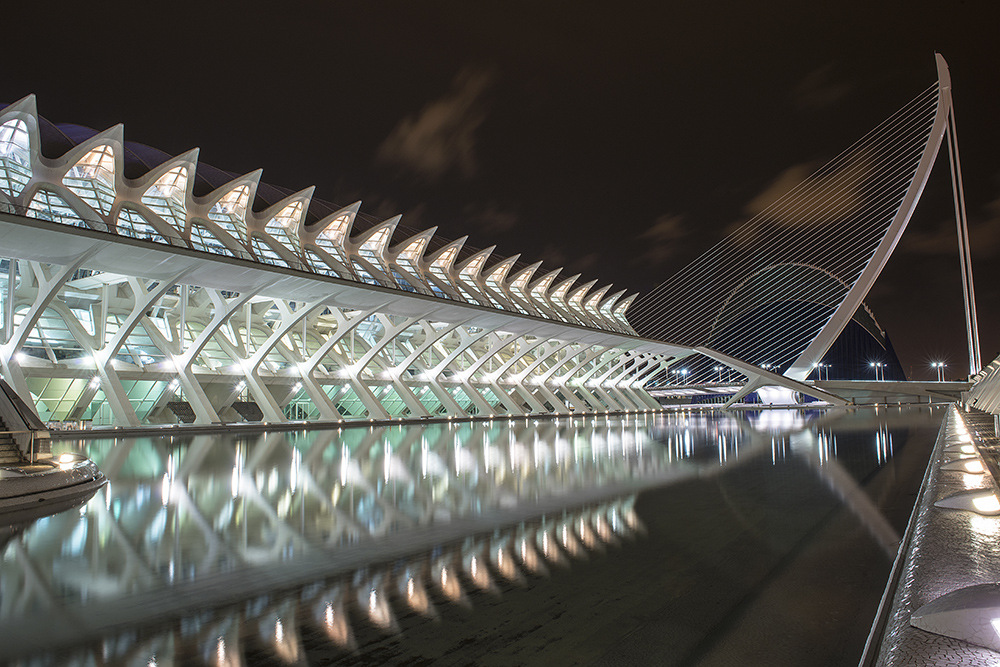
(681, 538)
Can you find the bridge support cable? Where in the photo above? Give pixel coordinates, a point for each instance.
(778, 291)
(964, 254)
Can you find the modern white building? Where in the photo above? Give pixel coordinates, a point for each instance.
(138, 287)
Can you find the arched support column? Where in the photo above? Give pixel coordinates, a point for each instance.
(48, 287)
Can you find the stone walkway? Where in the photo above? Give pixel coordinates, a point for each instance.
(945, 549)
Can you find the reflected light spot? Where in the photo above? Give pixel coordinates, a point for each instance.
(450, 586)
(984, 525)
(987, 503)
(336, 626)
(974, 466)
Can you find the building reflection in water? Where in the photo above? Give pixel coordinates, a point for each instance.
(199, 546)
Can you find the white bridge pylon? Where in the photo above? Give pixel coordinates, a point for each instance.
(779, 290)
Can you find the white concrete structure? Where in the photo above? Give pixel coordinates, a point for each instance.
(139, 300)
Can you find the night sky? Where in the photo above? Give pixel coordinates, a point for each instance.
(620, 140)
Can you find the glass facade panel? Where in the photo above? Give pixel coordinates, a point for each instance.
(203, 239)
(335, 231)
(265, 253)
(166, 197)
(133, 224)
(15, 157)
(286, 219)
(403, 283)
(92, 179)
(230, 212)
(319, 265)
(331, 247)
(47, 205)
(364, 275)
(375, 245)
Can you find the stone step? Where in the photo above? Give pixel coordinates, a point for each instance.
(10, 453)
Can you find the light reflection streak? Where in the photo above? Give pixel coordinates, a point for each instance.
(330, 616)
(294, 498)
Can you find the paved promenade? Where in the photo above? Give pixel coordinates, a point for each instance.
(945, 549)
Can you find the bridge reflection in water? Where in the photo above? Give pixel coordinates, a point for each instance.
(217, 547)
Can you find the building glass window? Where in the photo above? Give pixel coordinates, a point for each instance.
(467, 294)
(336, 230)
(230, 212)
(321, 266)
(47, 205)
(203, 239)
(133, 224)
(403, 283)
(334, 249)
(265, 253)
(15, 157)
(412, 252)
(538, 294)
(286, 219)
(364, 275)
(439, 267)
(167, 197)
(471, 270)
(408, 265)
(92, 179)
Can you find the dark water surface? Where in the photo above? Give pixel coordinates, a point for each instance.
(681, 539)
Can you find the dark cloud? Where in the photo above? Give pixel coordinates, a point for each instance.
(663, 239)
(585, 264)
(553, 257)
(984, 236)
(835, 196)
(442, 137)
(818, 90)
(489, 219)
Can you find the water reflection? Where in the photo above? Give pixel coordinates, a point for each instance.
(360, 525)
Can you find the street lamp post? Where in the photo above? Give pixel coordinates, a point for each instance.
(879, 370)
(939, 367)
(718, 372)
